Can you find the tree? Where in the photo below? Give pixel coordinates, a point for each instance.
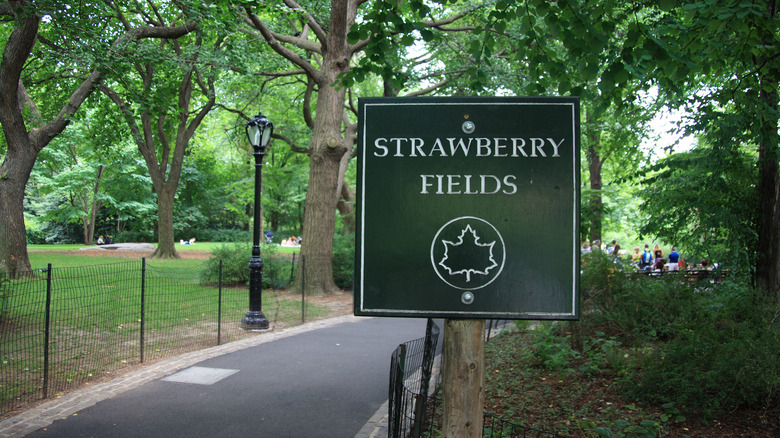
(724, 54)
(23, 121)
(320, 44)
(538, 47)
(704, 201)
(17, 111)
(143, 94)
(75, 179)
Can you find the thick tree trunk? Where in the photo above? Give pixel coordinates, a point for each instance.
(768, 263)
(13, 236)
(329, 145)
(166, 246)
(21, 152)
(319, 219)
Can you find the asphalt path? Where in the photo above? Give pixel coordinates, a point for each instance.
(322, 383)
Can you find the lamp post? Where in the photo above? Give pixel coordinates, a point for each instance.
(259, 131)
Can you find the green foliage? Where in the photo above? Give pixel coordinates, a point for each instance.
(724, 354)
(624, 429)
(551, 349)
(235, 266)
(673, 346)
(705, 202)
(636, 307)
(704, 345)
(5, 293)
(344, 260)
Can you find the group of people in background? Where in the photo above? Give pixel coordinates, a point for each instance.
(644, 259)
(654, 260)
(291, 241)
(104, 241)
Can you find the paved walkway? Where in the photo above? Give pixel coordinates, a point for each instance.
(321, 379)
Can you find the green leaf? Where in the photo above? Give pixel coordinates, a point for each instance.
(622, 424)
(667, 5)
(427, 35)
(353, 37)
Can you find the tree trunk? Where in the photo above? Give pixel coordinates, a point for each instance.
(166, 246)
(89, 231)
(347, 208)
(319, 221)
(15, 172)
(768, 263)
(22, 151)
(328, 147)
(595, 165)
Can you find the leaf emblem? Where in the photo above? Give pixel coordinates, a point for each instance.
(467, 255)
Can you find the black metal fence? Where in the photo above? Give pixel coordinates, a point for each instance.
(414, 409)
(62, 327)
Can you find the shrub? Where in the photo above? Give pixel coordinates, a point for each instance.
(235, 266)
(724, 355)
(634, 306)
(36, 235)
(277, 267)
(344, 260)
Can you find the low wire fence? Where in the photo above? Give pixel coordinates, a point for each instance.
(62, 327)
(414, 406)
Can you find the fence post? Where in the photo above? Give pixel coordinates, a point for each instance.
(143, 304)
(303, 288)
(292, 269)
(219, 306)
(396, 404)
(47, 329)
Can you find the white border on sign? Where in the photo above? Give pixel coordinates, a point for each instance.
(575, 209)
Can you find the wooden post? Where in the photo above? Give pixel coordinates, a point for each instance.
(463, 377)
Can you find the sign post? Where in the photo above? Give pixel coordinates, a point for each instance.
(468, 209)
(463, 377)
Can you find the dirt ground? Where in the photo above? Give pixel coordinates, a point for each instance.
(129, 254)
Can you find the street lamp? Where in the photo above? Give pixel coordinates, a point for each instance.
(259, 131)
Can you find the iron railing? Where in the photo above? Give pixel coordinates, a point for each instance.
(63, 327)
(414, 408)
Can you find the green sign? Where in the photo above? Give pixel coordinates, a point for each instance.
(468, 208)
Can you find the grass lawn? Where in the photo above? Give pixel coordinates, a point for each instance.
(96, 315)
(71, 255)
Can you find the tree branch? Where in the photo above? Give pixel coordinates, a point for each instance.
(311, 21)
(288, 54)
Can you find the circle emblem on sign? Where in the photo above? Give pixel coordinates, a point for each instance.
(468, 253)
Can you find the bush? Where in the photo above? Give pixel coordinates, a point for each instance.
(277, 269)
(344, 260)
(724, 355)
(235, 266)
(708, 347)
(634, 306)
